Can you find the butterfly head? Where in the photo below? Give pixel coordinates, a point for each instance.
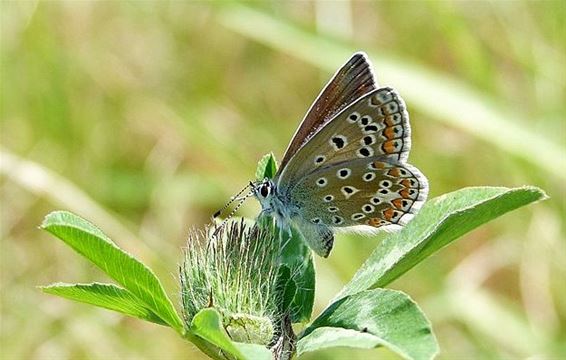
(266, 193)
(263, 191)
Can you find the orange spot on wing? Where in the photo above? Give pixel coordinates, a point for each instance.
(389, 146)
(407, 183)
(388, 214)
(376, 222)
(378, 165)
(405, 193)
(373, 222)
(389, 133)
(398, 203)
(394, 172)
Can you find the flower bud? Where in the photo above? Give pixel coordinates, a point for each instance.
(234, 270)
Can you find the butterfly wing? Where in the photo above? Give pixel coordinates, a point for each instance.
(374, 192)
(353, 171)
(352, 80)
(377, 124)
(319, 237)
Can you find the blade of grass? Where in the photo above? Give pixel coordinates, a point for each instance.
(484, 313)
(43, 182)
(454, 102)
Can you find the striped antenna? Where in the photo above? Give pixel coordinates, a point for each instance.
(235, 197)
(242, 200)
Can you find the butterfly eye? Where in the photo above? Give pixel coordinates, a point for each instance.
(264, 190)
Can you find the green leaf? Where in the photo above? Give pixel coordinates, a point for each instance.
(207, 324)
(108, 296)
(254, 351)
(440, 221)
(371, 318)
(286, 287)
(134, 276)
(297, 257)
(266, 167)
(325, 337)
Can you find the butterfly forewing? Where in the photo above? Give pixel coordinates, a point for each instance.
(375, 125)
(375, 192)
(353, 80)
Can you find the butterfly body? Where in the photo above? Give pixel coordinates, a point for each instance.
(346, 166)
(275, 204)
(287, 210)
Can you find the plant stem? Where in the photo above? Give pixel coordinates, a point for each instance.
(285, 345)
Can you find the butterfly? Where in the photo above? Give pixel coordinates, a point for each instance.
(346, 166)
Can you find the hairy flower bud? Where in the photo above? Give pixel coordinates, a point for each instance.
(233, 270)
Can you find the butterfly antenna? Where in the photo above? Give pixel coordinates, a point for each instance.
(235, 197)
(242, 200)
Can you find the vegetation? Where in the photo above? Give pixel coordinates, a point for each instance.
(144, 117)
(239, 288)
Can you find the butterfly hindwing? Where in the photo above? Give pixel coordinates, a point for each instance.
(353, 80)
(375, 192)
(319, 237)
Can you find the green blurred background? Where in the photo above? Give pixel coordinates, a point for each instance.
(145, 117)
